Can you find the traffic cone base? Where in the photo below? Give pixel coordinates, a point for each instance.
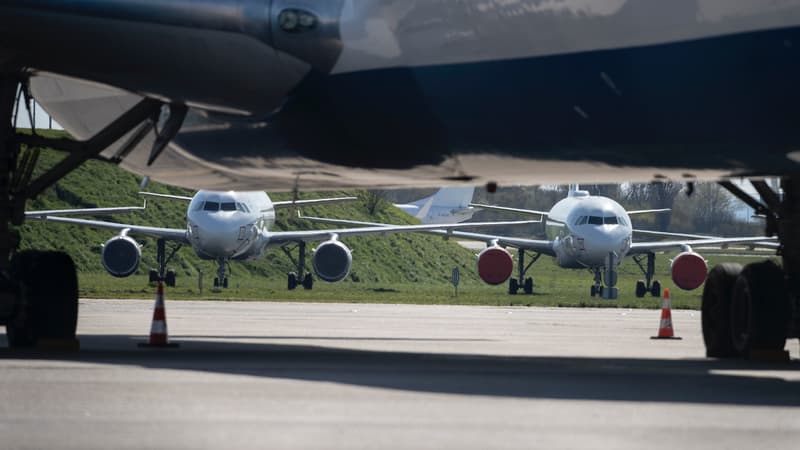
(665, 330)
(158, 329)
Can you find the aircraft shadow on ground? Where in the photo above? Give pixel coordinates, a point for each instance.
(569, 378)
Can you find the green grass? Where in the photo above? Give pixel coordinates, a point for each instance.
(396, 268)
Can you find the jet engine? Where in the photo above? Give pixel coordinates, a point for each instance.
(121, 256)
(495, 265)
(332, 261)
(689, 270)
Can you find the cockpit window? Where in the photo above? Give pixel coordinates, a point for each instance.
(622, 221)
(211, 206)
(610, 220)
(595, 220)
(242, 207)
(228, 206)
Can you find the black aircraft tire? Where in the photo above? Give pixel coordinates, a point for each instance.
(528, 286)
(47, 309)
(640, 289)
(759, 308)
(715, 310)
(655, 289)
(513, 286)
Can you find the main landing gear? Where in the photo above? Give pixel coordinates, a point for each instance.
(643, 287)
(162, 274)
(301, 277)
(753, 309)
(608, 291)
(34, 311)
(221, 281)
(526, 284)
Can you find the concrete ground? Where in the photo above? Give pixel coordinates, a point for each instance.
(279, 375)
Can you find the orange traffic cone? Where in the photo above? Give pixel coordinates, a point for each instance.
(665, 327)
(158, 329)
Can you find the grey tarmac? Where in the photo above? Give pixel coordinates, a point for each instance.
(350, 376)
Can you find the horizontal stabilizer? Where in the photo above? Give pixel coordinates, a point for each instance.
(84, 211)
(171, 197)
(314, 201)
(648, 211)
(509, 210)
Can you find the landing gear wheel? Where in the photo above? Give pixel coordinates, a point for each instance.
(308, 281)
(225, 283)
(169, 279)
(513, 286)
(655, 289)
(47, 310)
(291, 282)
(641, 289)
(152, 275)
(216, 282)
(528, 286)
(716, 310)
(593, 291)
(759, 309)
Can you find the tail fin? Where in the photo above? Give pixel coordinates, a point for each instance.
(454, 197)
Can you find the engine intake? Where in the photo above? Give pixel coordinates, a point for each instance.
(689, 270)
(332, 261)
(495, 265)
(121, 256)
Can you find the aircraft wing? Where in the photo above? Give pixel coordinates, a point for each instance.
(507, 209)
(755, 241)
(171, 234)
(540, 246)
(84, 211)
(313, 201)
(281, 237)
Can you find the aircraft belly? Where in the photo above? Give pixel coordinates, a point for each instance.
(717, 100)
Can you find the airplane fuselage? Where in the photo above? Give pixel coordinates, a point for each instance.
(507, 91)
(229, 225)
(586, 229)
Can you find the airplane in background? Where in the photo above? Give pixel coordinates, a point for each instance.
(447, 205)
(232, 226)
(595, 233)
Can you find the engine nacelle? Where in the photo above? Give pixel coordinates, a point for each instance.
(689, 270)
(495, 265)
(332, 261)
(121, 256)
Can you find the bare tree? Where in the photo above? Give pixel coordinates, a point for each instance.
(373, 201)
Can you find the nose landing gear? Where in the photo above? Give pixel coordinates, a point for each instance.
(608, 291)
(221, 281)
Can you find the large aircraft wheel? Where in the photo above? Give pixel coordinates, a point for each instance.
(216, 282)
(594, 290)
(655, 289)
(759, 308)
(225, 283)
(641, 289)
(716, 310)
(291, 282)
(46, 310)
(528, 286)
(152, 275)
(513, 286)
(308, 281)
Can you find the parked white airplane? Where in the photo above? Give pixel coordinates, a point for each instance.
(226, 226)
(591, 232)
(447, 205)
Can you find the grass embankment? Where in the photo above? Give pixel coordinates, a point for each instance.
(401, 268)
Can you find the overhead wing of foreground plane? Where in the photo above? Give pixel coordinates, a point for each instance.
(225, 226)
(591, 232)
(250, 93)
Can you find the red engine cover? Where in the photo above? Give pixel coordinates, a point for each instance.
(495, 265)
(689, 270)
